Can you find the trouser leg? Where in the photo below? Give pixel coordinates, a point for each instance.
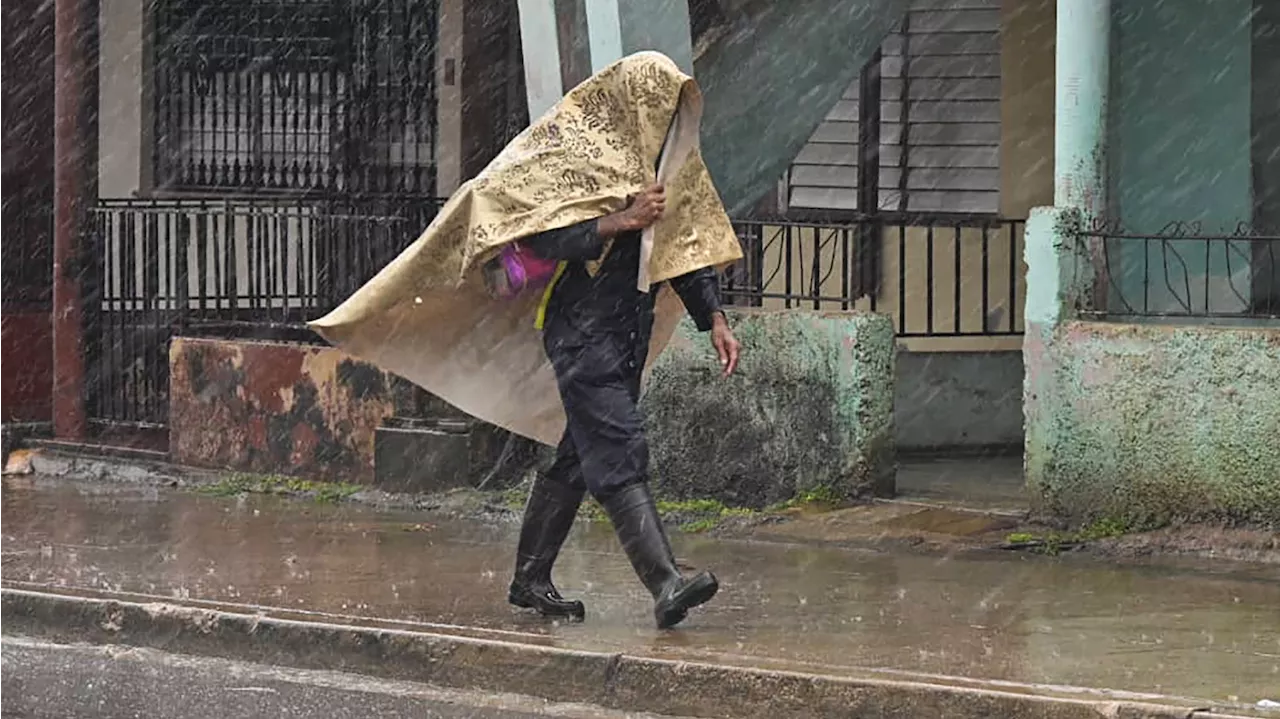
(607, 430)
(553, 504)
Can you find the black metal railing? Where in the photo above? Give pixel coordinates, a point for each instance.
(1185, 270)
(321, 96)
(935, 276)
(240, 268)
(261, 268)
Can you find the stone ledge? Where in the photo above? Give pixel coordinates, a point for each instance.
(809, 410)
(1150, 424)
(600, 678)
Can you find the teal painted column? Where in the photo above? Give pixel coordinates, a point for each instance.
(604, 33)
(1080, 118)
(1060, 269)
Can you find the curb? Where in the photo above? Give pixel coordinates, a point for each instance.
(611, 680)
(121, 470)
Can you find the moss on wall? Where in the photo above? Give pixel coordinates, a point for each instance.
(810, 407)
(1153, 424)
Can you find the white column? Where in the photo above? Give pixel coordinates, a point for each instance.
(540, 46)
(604, 32)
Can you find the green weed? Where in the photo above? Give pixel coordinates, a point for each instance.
(240, 483)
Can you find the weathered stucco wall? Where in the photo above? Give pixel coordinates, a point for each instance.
(1028, 30)
(1180, 132)
(958, 400)
(810, 408)
(27, 341)
(275, 408)
(1152, 423)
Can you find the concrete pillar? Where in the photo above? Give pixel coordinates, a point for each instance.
(1083, 63)
(75, 180)
(541, 48)
(614, 28)
(604, 33)
(124, 110)
(449, 97)
(1061, 270)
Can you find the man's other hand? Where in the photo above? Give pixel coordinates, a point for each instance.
(727, 346)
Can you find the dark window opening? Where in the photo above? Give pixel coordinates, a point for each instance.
(296, 96)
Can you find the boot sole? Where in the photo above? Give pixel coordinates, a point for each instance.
(698, 591)
(576, 611)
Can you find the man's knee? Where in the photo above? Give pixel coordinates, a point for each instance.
(566, 469)
(612, 467)
(607, 434)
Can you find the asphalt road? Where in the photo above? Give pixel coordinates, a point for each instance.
(54, 680)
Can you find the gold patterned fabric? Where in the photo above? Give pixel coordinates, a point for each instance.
(427, 315)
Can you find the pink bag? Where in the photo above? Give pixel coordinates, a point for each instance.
(516, 270)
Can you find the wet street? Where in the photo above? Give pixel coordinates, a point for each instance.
(1060, 621)
(50, 681)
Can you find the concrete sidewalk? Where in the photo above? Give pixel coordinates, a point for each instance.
(1006, 621)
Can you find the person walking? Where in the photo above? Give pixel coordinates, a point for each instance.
(596, 334)
(543, 288)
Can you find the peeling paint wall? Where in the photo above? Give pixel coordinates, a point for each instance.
(275, 408)
(811, 407)
(1154, 423)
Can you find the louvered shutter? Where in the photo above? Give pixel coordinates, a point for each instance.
(940, 128)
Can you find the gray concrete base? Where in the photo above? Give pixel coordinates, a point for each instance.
(611, 680)
(434, 456)
(810, 409)
(951, 403)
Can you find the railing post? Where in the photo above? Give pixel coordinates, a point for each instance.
(75, 177)
(867, 270)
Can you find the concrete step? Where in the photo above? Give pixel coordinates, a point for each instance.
(441, 453)
(98, 449)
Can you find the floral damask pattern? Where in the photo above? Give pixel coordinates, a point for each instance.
(426, 315)
(581, 160)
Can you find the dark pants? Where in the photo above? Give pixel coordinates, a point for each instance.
(597, 337)
(599, 381)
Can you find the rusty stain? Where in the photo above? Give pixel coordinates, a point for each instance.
(257, 432)
(275, 408)
(271, 371)
(304, 442)
(27, 338)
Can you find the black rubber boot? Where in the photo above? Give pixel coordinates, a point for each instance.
(635, 519)
(547, 518)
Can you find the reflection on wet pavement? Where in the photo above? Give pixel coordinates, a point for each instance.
(1031, 619)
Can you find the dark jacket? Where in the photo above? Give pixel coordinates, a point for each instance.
(596, 334)
(608, 307)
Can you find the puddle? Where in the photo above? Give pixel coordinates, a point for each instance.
(1062, 621)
